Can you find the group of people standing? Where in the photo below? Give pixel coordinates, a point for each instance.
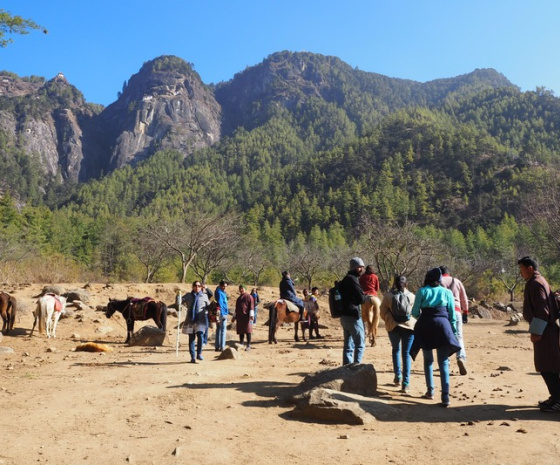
(196, 322)
(426, 321)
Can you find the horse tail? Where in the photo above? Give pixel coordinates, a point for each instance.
(163, 315)
(41, 315)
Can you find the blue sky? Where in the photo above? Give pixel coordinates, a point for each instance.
(99, 44)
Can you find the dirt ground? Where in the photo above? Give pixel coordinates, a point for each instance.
(145, 405)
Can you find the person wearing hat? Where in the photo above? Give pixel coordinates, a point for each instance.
(434, 309)
(351, 321)
(288, 292)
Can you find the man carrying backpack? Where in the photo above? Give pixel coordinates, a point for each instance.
(396, 309)
(351, 319)
(461, 312)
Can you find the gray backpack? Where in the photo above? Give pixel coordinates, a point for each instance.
(401, 307)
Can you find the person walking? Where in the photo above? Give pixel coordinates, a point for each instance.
(351, 320)
(221, 318)
(370, 285)
(462, 308)
(257, 300)
(244, 315)
(195, 322)
(434, 309)
(540, 309)
(396, 308)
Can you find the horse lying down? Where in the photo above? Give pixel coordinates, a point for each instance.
(48, 311)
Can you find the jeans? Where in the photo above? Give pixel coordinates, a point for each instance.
(401, 337)
(199, 335)
(461, 354)
(354, 339)
(221, 327)
(443, 363)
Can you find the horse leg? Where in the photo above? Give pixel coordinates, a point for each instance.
(271, 324)
(296, 336)
(375, 319)
(56, 318)
(129, 330)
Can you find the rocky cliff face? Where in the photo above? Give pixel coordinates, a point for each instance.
(164, 106)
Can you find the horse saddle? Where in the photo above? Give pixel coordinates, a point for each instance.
(57, 302)
(139, 307)
(290, 306)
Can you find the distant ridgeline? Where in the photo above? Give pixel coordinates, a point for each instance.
(298, 144)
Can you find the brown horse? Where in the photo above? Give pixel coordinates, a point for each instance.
(284, 311)
(138, 309)
(8, 306)
(370, 315)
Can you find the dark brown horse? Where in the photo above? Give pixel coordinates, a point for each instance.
(133, 309)
(8, 306)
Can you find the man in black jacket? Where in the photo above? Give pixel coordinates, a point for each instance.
(353, 297)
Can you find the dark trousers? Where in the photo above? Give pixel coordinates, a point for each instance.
(552, 381)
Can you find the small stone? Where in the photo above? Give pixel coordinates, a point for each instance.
(522, 430)
(344, 436)
(51, 349)
(176, 452)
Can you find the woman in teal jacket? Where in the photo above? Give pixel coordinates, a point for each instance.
(434, 308)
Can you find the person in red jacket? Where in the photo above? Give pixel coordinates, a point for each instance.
(369, 282)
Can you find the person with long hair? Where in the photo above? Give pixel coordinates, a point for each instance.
(400, 330)
(434, 309)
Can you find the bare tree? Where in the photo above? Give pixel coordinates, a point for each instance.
(307, 261)
(396, 249)
(253, 259)
(218, 253)
(191, 235)
(150, 251)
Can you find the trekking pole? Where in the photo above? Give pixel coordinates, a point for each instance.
(178, 302)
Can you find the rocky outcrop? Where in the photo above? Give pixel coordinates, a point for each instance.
(164, 106)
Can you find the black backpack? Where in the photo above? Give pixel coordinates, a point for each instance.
(336, 306)
(401, 307)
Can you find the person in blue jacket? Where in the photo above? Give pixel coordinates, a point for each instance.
(434, 309)
(288, 292)
(221, 320)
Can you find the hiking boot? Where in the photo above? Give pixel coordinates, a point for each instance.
(405, 390)
(397, 381)
(429, 395)
(200, 357)
(193, 360)
(462, 364)
(546, 403)
(553, 407)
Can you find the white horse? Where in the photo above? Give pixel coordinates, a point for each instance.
(48, 311)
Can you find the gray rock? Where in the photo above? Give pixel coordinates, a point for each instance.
(229, 353)
(58, 290)
(148, 336)
(6, 350)
(482, 312)
(80, 295)
(326, 405)
(357, 378)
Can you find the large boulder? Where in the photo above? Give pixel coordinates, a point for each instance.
(356, 378)
(148, 336)
(326, 405)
